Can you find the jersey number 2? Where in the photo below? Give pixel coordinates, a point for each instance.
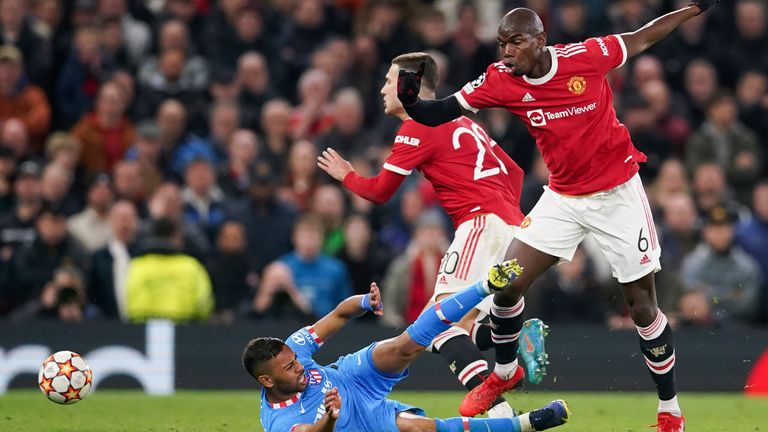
(482, 141)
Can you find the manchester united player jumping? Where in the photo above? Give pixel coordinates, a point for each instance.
(479, 187)
(561, 94)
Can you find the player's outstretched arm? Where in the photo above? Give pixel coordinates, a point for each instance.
(427, 112)
(656, 30)
(350, 308)
(378, 189)
(327, 422)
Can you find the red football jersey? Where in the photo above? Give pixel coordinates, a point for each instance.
(569, 111)
(458, 158)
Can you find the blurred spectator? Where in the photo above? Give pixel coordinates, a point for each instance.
(91, 227)
(81, 77)
(236, 28)
(746, 47)
(167, 203)
(267, 220)
(701, 84)
(231, 272)
(136, 34)
(395, 233)
(275, 122)
(303, 33)
(106, 133)
(470, 55)
(432, 31)
(313, 115)
(17, 226)
(385, 21)
(752, 95)
(13, 135)
(571, 22)
(187, 12)
(242, 149)
(533, 184)
(149, 156)
(347, 136)
(327, 203)
(365, 259)
(724, 140)
(17, 29)
(129, 184)
(62, 298)
(721, 280)
(692, 40)
(672, 180)
(109, 265)
(752, 237)
(671, 125)
(176, 72)
(366, 79)
(113, 46)
(640, 121)
(679, 234)
(182, 145)
(223, 122)
(301, 175)
(163, 282)
(334, 58)
(314, 281)
(55, 187)
(679, 230)
(411, 277)
(711, 190)
(203, 199)
(255, 89)
(63, 149)
(35, 262)
(569, 292)
(22, 100)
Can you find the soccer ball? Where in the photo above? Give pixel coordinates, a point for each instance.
(65, 377)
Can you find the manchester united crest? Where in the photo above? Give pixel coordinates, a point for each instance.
(577, 85)
(526, 222)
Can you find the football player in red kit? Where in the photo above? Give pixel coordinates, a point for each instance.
(479, 187)
(561, 94)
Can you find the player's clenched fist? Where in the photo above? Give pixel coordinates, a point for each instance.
(409, 85)
(374, 298)
(332, 402)
(703, 5)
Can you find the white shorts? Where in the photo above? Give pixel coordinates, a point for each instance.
(619, 219)
(478, 244)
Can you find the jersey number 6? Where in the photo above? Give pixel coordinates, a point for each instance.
(482, 141)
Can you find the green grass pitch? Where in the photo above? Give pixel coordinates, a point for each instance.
(209, 411)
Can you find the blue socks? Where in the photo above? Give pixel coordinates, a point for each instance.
(442, 314)
(466, 424)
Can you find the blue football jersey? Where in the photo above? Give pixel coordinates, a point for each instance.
(362, 388)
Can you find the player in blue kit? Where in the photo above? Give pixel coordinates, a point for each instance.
(299, 395)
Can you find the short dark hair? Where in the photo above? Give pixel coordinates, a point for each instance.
(258, 351)
(164, 228)
(412, 61)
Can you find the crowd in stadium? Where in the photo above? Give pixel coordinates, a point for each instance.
(158, 158)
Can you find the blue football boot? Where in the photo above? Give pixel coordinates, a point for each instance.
(531, 349)
(554, 414)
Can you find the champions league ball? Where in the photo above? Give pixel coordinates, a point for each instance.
(65, 377)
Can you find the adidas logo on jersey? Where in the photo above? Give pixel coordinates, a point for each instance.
(528, 98)
(645, 259)
(442, 281)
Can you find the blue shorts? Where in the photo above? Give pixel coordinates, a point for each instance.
(371, 388)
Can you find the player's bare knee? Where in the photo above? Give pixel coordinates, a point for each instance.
(643, 313)
(406, 348)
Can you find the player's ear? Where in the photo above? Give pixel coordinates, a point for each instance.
(541, 40)
(266, 381)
